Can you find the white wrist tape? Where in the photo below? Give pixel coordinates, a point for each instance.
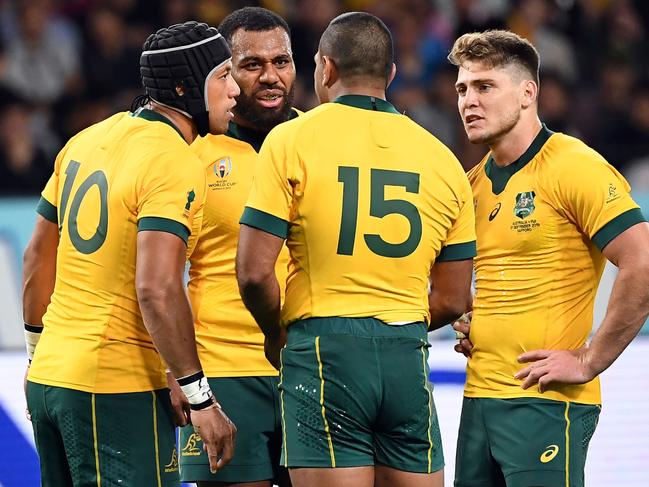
(32, 335)
(197, 390)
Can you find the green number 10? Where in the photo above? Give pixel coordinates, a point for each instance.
(97, 178)
(379, 207)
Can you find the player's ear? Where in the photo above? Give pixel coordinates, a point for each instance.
(329, 72)
(530, 93)
(393, 73)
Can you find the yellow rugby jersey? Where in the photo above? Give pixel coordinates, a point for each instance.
(541, 223)
(367, 200)
(124, 174)
(230, 343)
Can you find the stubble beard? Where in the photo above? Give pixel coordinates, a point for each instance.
(505, 127)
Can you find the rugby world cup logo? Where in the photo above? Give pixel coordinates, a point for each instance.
(223, 167)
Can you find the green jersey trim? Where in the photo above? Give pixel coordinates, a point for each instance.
(462, 251)
(160, 224)
(253, 137)
(47, 210)
(264, 221)
(616, 226)
(500, 176)
(367, 103)
(152, 116)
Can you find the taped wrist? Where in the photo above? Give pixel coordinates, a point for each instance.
(32, 335)
(197, 390)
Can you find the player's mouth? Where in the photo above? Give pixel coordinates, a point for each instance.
(472, 120)
(230, 112)
(270, 98)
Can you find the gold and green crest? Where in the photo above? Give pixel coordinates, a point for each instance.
(524, 204)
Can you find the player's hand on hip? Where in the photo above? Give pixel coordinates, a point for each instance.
(218, 434)
(462, 329)
(554, 366)
(272, 347)
(179, 401)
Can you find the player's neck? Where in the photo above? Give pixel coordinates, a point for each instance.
(182, 122)
(355, 89)
(514, 143)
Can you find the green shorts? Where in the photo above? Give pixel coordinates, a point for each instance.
(355, 392)
(523, 442)
(86, 439)
(252, 403)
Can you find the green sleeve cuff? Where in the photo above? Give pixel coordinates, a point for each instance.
(616, 226)
(159, 224)
(264, 221)
(460, 251)
(47, 210)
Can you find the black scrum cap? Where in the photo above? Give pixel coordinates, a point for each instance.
(175, 64)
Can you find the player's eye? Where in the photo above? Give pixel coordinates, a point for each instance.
(485, 87)
(252, 66)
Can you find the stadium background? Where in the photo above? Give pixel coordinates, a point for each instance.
(67, 64)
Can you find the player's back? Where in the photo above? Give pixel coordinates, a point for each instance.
(373, 199)
(110, 180)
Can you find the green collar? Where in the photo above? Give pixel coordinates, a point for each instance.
(250, 136)
(152, 116)
(367, 103)
(499, 176)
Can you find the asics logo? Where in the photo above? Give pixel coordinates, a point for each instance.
(549, 454)
(495, 211)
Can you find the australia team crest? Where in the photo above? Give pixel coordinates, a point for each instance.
(524, 204)
(223, 167)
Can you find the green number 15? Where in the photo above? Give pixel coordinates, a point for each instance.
(379, 207)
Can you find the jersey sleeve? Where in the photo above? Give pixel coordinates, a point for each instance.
(461, 239)
(596, 197)
(47, 205)
(269, 204)
(171, 193)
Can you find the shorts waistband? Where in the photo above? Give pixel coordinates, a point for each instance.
(361, 327)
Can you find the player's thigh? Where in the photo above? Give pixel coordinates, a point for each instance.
(407, 435)
(135, 439)
(55, 471)
(115, 439)
(474, 463)
(329, 392)
(328, 477)
(541, 443)
(390, 477)
(252, 403)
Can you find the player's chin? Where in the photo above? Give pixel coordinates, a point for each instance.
(477, 137)
(219, 127)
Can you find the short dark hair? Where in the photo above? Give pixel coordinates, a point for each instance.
(256, 19)
(496, 48)
(360, 45)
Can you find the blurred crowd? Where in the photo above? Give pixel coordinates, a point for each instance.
(65, 64)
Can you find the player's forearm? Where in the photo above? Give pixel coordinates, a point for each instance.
(446, 309)
(261, 295)
(38, 286)
(39, 276)
(450, 291)
(168, 318)
(627, 311)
